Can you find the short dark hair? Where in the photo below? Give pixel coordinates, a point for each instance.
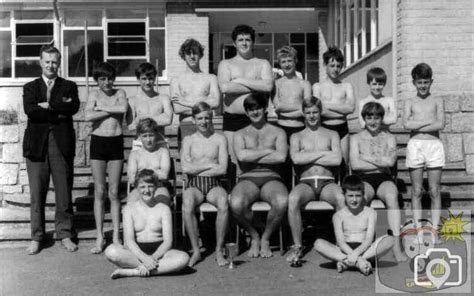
(333, 53)
(243, 30)
(146, 69)
(104, 69)
(378, 74)
(200, 107)
(372, 108)
(191, 46)
(287, 51)
(147, 125)
(422, 71)
(353, 183)
(147, 176)
(312, 101)
(255, 100)
(49, 49)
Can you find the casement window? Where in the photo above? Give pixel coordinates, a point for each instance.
(124, 37)
(356, 27)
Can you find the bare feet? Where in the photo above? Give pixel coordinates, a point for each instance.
(364, 266)
(34, 248)
(99, 246)
(254, 248)
(265, 251)
(295, 253)
(129, 272)
(69, 245)
(220, 259)
(398, 253)
(195, 258)
(341, 266)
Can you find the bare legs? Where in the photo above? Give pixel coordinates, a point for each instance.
(244, 194)
(378, 248)
(114, 171)
(172, 261)
(300, 196)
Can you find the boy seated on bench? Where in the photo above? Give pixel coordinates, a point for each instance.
(314, 151)
(373, 152)
(148, 235)
(204, 159)
(354, 228)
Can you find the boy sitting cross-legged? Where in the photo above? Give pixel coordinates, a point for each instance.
(354, 228)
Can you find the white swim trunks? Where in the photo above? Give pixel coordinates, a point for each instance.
(425, 153)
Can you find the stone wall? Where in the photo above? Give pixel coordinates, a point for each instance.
(440, 33)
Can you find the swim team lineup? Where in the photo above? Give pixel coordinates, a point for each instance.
(308, 146)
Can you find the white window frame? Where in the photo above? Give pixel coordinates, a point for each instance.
(107, 36)
(342, 12)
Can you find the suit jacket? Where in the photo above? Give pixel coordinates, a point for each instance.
(57, 118)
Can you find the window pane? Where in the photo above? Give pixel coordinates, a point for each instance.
(4, 19)
(75, 18)
(313, 72)
(74, 40)
(312, 43)
(32, 49)
(297, 38)
(157, 50)
(127, 49)
(281, 40)
(120, 29)
(27, 68)
(5, 54)
(125, 68)
(301, 58)
(157, 17)
(125, 13)
(263, 52)
(263, 38)
(33, 14)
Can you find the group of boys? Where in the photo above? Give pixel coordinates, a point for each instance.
(311, 134)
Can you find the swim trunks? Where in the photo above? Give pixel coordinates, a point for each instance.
(260, 181)
(353, 245)
(106, 148)
(341, 129)
(317, 183)
(234, 122)
(203, 183)
(149, 248)
(429, 153)
(376, 179)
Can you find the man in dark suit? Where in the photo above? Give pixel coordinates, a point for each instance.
(49, 147)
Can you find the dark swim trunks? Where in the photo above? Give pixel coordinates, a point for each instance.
(317, 183)
(375, 180)
(203, 183)
(260, 181)
(234, 122)
(353, 245)
(106, 148)
(341, 129)
(149, 248)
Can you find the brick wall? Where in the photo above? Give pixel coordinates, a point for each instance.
(440, 33)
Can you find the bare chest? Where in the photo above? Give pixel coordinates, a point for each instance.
(260, 139)
(194, 85)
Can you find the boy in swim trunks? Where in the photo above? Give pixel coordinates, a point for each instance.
(153, 155)
(315, 151)
(106, 108)
(192, 86)
(148, 235)
(354, 228)
(261, 149)
(373, 153)
(147, 103)
(238, 77)
(204, 159)
(338, 100)
(290, 90)
(424, 116)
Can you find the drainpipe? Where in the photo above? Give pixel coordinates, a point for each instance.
(57, 28)
(394, 52)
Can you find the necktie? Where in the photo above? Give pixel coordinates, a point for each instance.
(48, 90)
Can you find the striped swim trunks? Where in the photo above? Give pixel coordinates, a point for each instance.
(203, 183)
